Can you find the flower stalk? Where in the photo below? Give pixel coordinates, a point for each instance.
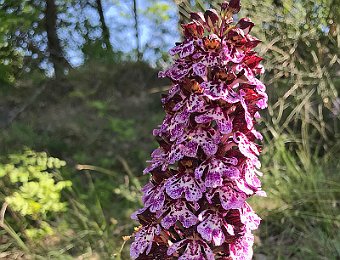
(206, 165)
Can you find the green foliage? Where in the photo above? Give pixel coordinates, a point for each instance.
(38, 233)
(28, 186)
(93, 51)
(17, 18)
(124, 129)
(159, 9)
(302, 204)
(10, 62)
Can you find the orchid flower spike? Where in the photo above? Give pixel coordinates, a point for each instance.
(206, 165)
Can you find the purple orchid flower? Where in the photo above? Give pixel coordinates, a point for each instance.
(206, 165)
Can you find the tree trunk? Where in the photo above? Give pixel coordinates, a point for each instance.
(105, 29)
(54, 46)
(135, 15)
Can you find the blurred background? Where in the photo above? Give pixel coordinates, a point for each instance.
(80, 97)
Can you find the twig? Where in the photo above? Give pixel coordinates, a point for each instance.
(2, 213)
(81, 167)
(158, 89)
(10, 230)
(118, 255)
(129, 172)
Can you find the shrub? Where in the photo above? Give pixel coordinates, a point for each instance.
(30, 189)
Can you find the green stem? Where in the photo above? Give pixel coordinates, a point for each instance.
(118, 256)
(14, 235)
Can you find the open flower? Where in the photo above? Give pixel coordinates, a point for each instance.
(216, 170)
(212, 227)
(194, 250)
(143, 240)
(178, 211)
(206, 166)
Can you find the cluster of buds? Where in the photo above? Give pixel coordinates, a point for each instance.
(206, 165)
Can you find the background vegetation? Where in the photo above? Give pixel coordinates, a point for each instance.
(80, 97)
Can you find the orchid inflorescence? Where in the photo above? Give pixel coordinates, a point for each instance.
(207, 162)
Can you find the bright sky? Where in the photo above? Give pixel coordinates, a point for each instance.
(119, 19)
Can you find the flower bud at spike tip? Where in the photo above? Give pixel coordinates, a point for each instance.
(211, 17)
(206, 165)
(234, 6)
